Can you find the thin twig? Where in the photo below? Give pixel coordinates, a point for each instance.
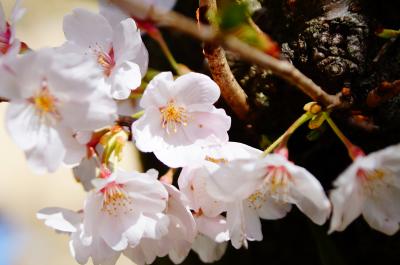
(206, 33)
(231, 91)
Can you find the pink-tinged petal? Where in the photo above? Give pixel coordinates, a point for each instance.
(102, 254)
(234, 181)
(60, 219)
(79, 252)
(92, 210)
(244, 224)
(215, 228)
(135, 255)
(309, 196)
(74, 150)
(381, 210)
(272, 209)
(158, 91)
(207, 124)
(208, 250)
(88, 29)
(125, 78)
(347, 201)
(195, 88)
(128, 45)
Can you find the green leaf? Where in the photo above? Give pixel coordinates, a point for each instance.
(233, 15)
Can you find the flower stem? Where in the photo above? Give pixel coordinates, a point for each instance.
(156, 35)
(138, 114)
(354, 151)
(285, 136)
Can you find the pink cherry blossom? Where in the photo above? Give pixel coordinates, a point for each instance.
(265, 188)
(180, 118)
(8, 39)
(47, 92)
(118, 50)
(369, 186)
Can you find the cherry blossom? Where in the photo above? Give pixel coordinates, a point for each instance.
(177, 242)
(180, 118)
(8, 39)
(70, 222)
(118, 51)
(369, 186)
(265, 188)
(123, 207)
(47, 92)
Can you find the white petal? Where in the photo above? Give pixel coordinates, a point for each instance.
(88, 29)
(158, 91)
(195, 88)
(308, 194)
(125, 77)
(205, 124)
(128, 45)
(347, 200)
(179, 156)
(236, 180)
(60, 219)
(112, 13)
(208, 250)
(48, 153)
(272, 209)
(381, 210)
(244, 224)
(215, 228)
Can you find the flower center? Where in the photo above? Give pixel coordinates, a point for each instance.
(45, 103)
(371, 179)
(275, 185)
(5, 39)
(115, 200)
(173, 116)
(106, 61)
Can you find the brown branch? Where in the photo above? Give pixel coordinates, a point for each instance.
(384, 92)
(3, 100)
(231, 91)
(206, 33)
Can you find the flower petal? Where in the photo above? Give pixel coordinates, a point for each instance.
(125, 77)
(158, 92)
(60, 219)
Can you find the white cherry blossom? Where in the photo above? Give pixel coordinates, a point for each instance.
(123, 208)
(47, 92)
(265, 188)
(180, 118)
(369, 186)
(118, 49)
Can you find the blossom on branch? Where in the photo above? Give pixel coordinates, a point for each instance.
(118, 51)
(47, 92)
(265, 188)
(179, 118)
(371, 187)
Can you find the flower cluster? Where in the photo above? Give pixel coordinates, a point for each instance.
(64, 107)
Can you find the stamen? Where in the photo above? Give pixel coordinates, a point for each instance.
(173, 116)
(45, 104)
(115, 200)
(106, 61)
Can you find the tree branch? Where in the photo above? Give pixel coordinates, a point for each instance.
(206, 33)
(231, 91)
